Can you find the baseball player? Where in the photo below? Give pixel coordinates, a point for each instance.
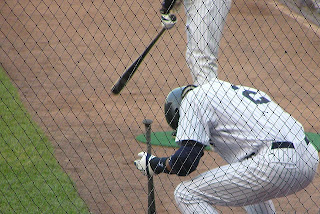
(204, 26)
(266, 149)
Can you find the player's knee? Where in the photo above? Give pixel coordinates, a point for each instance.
(182, 193)
(179, 192)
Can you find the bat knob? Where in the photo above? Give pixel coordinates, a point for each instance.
(173, 17)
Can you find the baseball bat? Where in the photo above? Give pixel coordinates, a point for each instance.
(126, 76)
(151, 200)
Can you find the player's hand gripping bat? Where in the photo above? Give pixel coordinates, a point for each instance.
(126, 76)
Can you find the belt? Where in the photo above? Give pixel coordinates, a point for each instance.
(282, 144)
(286, 144)
(278, 145)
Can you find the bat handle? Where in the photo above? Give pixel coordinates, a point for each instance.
(121, 83)
(151, 200)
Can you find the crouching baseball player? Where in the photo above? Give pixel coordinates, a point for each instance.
(266, 149)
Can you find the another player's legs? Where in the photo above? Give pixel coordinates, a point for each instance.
(205, 22)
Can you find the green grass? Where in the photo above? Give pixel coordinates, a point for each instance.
(31, 180)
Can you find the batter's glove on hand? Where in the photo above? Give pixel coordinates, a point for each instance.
(150, 164)
(168, 20)
(143, 164)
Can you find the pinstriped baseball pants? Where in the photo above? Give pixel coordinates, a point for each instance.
(204, 26)
(251, 183)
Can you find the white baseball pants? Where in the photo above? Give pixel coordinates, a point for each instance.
(204, 26)
(251, 183)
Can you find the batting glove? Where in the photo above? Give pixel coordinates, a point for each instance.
(143, 164)
(168, 20)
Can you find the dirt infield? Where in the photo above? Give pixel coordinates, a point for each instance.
(64, 58)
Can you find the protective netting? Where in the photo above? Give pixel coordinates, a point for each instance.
(68, 144)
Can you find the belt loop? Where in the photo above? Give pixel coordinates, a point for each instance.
(307, 140)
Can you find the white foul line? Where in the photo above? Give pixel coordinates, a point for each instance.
(297, 17)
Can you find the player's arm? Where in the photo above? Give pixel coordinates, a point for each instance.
(184, 161)
(166, 6)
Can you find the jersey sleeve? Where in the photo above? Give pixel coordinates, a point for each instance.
(194, 118)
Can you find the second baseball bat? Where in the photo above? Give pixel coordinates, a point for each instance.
(151, 199)
(126, 76)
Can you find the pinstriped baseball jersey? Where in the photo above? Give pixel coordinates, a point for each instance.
(236, 120)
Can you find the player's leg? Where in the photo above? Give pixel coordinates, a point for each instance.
(230, 185)
(263, 207)
(197, 207)
(204, 26)
(204, 207)
(270, 174)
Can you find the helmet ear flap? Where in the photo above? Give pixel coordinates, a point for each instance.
(172, 105)
(172, 114)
